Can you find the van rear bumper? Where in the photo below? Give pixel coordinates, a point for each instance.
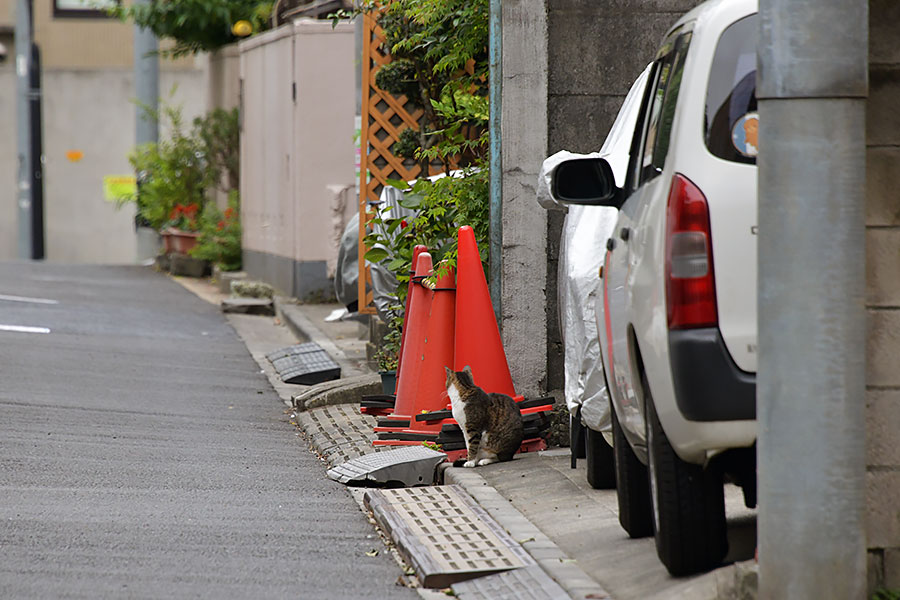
(708, 384)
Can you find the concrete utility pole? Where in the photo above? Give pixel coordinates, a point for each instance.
(812, 88)
(146, 83)
(146, 129)
(496, 177)
(24, 195)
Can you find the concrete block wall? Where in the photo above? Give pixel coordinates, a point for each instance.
(883, 296)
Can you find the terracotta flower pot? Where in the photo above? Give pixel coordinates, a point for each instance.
(176, 240)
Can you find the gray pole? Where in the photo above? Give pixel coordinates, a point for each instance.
(812, 87)
(23, 128)
(496, 177)
(146, 91)
(146, 83)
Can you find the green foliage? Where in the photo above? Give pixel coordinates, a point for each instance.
(171, 172)
(177, 175)
(388, 353)
(220, 235)
(195, 25)
(220, 135)
(441, 46)
(886, 594)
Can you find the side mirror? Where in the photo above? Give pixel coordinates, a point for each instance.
(585, 181)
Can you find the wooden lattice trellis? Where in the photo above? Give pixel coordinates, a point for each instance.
(384, 117)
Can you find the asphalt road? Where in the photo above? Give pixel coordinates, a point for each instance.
(143, 454)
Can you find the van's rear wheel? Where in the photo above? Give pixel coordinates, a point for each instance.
(601, 464)
(632, 485)
(688, 504)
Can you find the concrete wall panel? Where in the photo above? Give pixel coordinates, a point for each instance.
(882, 116)
(883, 201)
(883, 428)
(882, 515)
(883, 267)
(883, 294)
(92, 111)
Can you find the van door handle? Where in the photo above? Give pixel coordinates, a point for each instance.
(624, 233)
(610, 244)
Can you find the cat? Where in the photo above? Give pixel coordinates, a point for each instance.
(491, 423)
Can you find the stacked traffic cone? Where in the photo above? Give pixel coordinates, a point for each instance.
(419, 306)
(383, 404)
(431, 394)
(458, 329)
(478, 343)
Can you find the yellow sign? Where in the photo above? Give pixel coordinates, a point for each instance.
(119, 187)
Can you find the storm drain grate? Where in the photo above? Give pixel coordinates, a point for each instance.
(444, 534)
(410, 465)
(306, 364)
(530, 583)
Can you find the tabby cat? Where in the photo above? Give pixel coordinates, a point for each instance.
(491, 423)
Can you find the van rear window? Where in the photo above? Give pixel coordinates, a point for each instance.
(731, 117)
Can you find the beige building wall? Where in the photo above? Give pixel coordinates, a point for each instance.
(883, 296)
(297, 152)
(88, 92)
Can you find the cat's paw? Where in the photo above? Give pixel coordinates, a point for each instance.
(469, 464)
(486, 461)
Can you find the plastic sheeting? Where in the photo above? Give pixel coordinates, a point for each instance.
(384, 284)
(582, 250)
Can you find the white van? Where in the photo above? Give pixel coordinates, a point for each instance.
(678, 336)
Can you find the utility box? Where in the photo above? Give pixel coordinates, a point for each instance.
(298, 159)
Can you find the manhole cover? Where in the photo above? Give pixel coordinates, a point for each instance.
(530, 583)
(411, 465)
(444, 534)
(306, 364)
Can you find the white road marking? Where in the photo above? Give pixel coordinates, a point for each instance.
(22, 329)
(27, 299)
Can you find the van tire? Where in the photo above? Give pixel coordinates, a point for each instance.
(688, 508)
(632, 485)
(601, 462)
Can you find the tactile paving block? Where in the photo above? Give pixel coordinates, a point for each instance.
(444, 534)
(306, 364)
(529, 583)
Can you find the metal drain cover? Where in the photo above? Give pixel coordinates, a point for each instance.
(444, 534)
(530, 583)
(306, 364)
(410, 465)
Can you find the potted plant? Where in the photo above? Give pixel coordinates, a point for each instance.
(387, 356)
(219, 239)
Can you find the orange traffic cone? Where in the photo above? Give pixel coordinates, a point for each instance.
(411, 356)
(478, 342)
(419, 249)
(431, 393)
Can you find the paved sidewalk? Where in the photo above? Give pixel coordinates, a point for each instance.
(571, 530)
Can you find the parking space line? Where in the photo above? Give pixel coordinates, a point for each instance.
(23, 329)
(27, 299)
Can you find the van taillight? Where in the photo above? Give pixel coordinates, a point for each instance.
(690, 284)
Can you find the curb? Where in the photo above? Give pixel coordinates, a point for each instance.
(340, 391)
(562, 569)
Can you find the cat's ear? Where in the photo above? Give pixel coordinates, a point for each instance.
(468, 369)
(448, 370)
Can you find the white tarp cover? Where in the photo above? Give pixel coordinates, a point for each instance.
(582, 249)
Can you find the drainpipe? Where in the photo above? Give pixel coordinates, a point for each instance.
(812, 88)
(496, 221)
